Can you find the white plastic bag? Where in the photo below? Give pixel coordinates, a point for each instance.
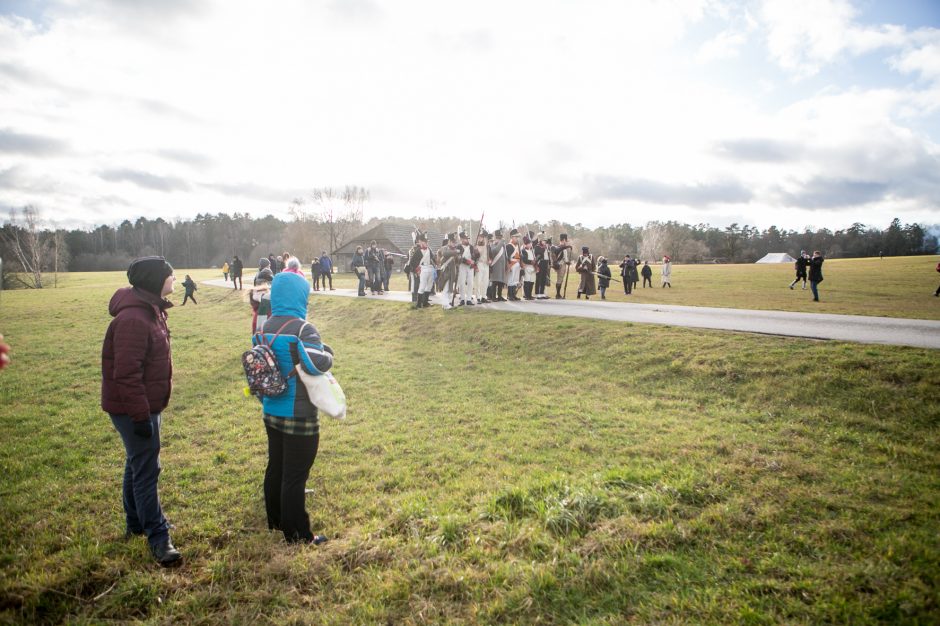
(325, 392)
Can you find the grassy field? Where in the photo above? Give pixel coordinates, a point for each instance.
(491, 470)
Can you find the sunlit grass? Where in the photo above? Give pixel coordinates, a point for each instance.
(491, 470)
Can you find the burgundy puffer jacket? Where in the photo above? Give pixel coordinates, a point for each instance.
(136, 367)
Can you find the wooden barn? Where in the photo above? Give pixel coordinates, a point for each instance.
(394, 238)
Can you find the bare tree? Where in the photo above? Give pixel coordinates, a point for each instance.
(27, 244)
(341, 212)
(653, 244)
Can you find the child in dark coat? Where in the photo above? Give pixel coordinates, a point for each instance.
(603, 281)
(190, 288)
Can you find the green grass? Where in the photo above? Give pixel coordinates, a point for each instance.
(491, 470)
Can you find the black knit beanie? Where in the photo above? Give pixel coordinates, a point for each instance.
(149, 273)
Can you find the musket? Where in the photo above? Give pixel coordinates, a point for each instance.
(604, 276)
(396, 254)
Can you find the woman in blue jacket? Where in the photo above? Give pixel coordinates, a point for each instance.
(290, 419)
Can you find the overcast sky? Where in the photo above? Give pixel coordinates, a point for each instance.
(817, 113)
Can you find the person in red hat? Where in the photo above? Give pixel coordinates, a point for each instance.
(136, 380)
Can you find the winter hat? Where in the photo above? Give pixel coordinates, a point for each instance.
(263, 263)
(584, 249)
(149, 273)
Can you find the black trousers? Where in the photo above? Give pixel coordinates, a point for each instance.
(189, 296)
(290, 458)
(326, 276)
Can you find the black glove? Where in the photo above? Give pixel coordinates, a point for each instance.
(144, 430)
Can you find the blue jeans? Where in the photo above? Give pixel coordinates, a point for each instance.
(141, 471)
(812, 285)
(362, 284)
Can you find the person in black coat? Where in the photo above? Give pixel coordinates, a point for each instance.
(627, 272)
(815, 273)
(647, 273)
(190, 290)
(237, 272)
(603, 280)
(800, 265)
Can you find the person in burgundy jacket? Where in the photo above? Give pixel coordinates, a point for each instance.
(136, 380)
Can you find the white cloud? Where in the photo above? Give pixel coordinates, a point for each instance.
(593, 112)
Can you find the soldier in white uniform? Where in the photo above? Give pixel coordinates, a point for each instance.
(529, 268)
(422, 263)
(481, 278)
(514, 258)
(469, 255)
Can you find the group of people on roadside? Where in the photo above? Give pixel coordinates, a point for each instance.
(136, 366)
(468, 275)
(373, 267)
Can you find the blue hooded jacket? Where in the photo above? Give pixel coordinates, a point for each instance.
(289, 294)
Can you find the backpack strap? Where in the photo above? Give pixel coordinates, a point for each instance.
(278, 333)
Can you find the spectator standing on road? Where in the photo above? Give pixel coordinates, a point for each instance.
(815, 273)
(237, 273)
(359, 267)
(374, 263)
(389, 267)
(667, 272)
(315, 273)
(326, 269)
(136, 372)
(647, 273)
(189, 288)
(225, 270)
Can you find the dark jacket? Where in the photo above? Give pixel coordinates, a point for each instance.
(603, 281)
(289, 294)
(800, 265)
(815, 269)
(647, 271)
(136, 365)
(236, 267)
(190, 286)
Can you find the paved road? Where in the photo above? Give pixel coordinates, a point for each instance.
(857, 328)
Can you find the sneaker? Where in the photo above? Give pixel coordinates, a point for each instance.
(318, 539)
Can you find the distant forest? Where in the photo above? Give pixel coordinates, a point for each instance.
(28, 248)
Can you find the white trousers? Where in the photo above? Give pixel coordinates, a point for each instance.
(481, 281)
(465, 282)
(426, 279)
(514, 275)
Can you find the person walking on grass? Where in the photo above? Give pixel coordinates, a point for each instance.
(136, 372)
(647, 273)
(237, 273)
(815, 273)
(800, 265)
(627, 269)
(585, 266)
(225, 270)
(667, 272)
(603, 281)
(291, 422)
(937, 292)
(190, 289)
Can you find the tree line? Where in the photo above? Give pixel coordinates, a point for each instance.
(329, 218)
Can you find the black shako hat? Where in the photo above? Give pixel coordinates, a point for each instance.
(149, 273)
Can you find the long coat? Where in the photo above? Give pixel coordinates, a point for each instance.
(585, 266)
(448, 261)
(498, 268)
